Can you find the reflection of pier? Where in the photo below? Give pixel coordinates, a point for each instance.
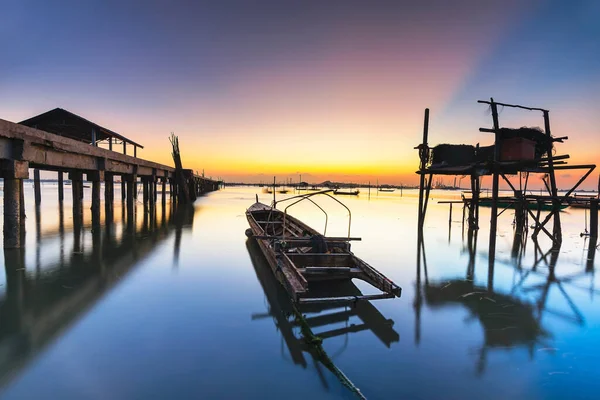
(280, 309)
(42, 301)
(510, 318)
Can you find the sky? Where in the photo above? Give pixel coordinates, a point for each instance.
(327, 89)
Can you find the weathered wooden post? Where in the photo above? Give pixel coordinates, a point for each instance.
(12, 212)
(557, 231)
(164, 192)
(61, 190)
(130, 179)
(123, 188)
(36, 186)
(594, 218)
(495, 179)
(145, 192)
(423, 153)
(109, 196)
(95, 177)
(22, 206)
(76, 189)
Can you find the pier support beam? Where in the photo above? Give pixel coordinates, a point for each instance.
(109, 197)
(95, 177)
(130, 201)
(164, 192)
(594, 218)
(13, 173)
(76, 189)
(61, 189)
(12, 213)
(123, 188)
(36, 186)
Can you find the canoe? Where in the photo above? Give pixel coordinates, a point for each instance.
(532, 205)
(299, 255)
(351, 192)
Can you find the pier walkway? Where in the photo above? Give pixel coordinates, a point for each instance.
(22, 148)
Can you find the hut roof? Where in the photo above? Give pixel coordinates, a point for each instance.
(64, 123)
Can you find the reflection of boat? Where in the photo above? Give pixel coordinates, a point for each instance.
(281, 310)
(299, 255)
(348, 192)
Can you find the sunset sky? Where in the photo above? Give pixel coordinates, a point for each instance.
(327, 89)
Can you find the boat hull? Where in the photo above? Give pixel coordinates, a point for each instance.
(298, 255)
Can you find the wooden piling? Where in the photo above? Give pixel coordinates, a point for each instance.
(145, 187)
(594, 218)
(61, 190)
(37, 186)
(557, 231)
(22, 207)
(164, 192)
(423, 152)
(495, 184)
(123, 188)
(76, 189)
(130, 201)
(12, 213)
(108, 197)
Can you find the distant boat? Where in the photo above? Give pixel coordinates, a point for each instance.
(283, 191)
(347, 192)
(386, 189)
(532, 205)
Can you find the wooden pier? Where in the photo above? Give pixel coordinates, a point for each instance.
(23, 147)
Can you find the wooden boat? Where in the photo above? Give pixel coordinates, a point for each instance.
(388, 190)
(347, 192)
(509, 203)
(581, 201)
(299, 255)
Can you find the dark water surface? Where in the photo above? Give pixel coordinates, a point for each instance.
(186, 307)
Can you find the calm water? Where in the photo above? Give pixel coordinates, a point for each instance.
(186, 307)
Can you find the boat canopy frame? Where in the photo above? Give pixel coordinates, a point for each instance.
(301, 197)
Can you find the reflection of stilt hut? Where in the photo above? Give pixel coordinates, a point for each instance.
(506, 321)
(519, 152)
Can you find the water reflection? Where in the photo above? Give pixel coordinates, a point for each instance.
(507, 320)
(321, 317)
(43, 300)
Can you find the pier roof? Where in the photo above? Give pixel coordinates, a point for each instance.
(64, 123)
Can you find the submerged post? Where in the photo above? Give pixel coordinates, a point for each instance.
(423, 151)
(164, 192)
(557, 232)
(36, 186)
(95, 177)
(594, 218)
(76, 189)
(108, 196)
(495, 183)
(12, 213)
(130, 179)
(61, 191)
